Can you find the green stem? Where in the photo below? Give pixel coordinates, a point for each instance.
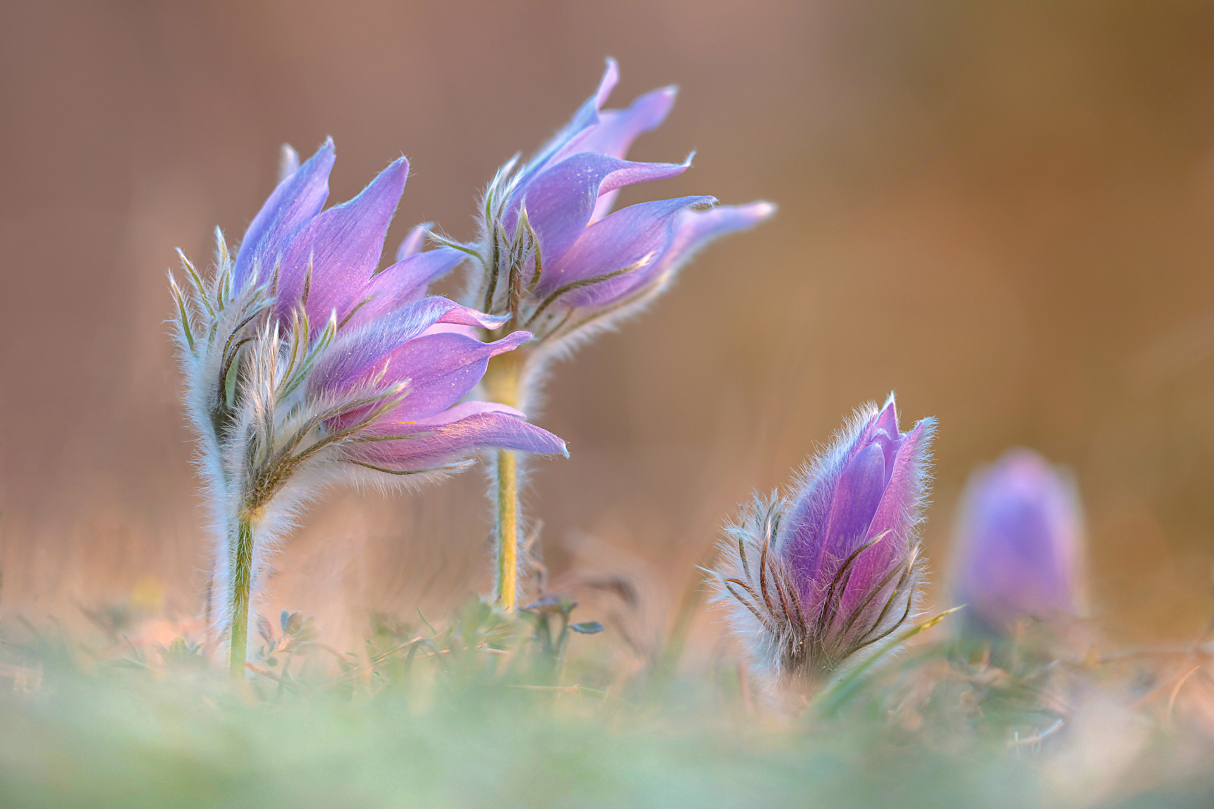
(502, 386)
(241, 582)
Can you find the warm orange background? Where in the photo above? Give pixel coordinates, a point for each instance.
(1005, 215)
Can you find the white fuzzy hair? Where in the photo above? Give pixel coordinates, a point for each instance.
(783, 640)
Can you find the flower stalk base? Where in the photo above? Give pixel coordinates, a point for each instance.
(238, 595)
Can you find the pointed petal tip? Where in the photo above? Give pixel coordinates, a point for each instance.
(328, 149)
(510, 342)
(761, 209)
(927, 425)
(399, 165)
(611, 77)
(322, 159)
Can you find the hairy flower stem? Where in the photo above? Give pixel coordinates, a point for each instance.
(502, 385)
(238, 596)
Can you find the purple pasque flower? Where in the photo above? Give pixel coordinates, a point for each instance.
(306, 366)
(356, 362)
(833, 567)
(555, 258)
(1019, 543)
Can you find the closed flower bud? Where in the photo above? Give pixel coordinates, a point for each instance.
(1019, 543)
(832, 568)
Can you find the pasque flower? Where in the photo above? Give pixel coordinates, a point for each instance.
(828, 570)
(305, 366)
(555, 258)
(552, 257)
(1019, 543)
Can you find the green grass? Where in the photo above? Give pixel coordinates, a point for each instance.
(482, 713)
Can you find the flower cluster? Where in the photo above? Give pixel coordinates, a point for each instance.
(307, 365)
(834, 567)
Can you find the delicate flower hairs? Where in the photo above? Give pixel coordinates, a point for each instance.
(554, 259)
(305, 367)
(816, 576)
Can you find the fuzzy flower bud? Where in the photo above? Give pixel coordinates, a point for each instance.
(834, 567)
(1019, 543)
(555, 258)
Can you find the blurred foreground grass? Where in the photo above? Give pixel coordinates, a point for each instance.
(492, 712)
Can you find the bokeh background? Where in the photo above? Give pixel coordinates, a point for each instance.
(1004, 212)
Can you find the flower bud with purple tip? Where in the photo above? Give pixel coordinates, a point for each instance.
(1019, 543)
(828, 570)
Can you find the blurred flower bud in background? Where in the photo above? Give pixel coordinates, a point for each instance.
(1019, 543)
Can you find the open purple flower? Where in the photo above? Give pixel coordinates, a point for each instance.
(1018, 543)
(324, 262)
(815, 576)
(554, 256)
(306, 366)
(367, 349)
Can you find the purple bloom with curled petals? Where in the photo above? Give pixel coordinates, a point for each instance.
(366, 338)
(833, 567)
(305, 365)
(553, 255)
(1019, 543)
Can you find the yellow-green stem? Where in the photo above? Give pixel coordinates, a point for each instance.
(240, 584)
(507, 530)
(501, 382)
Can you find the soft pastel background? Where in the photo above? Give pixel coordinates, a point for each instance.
(1005, 214)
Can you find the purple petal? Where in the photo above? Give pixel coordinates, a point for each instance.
(906, 487)
(414, 242)
(297, 199)
(360, 353)
(343, 245)
(586, 116)
(457, 433)
(803, 533)
(857, 495)
(638, 234)
(402, 283)
(561, 200)
(697, 228)
(617, 129)
(896, 517)
(440, 370)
